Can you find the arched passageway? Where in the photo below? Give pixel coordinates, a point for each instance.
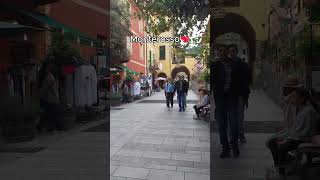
(235, 23)
(161, 82)
(179, 69)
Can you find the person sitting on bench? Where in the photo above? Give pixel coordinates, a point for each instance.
(204, 101)
(302, 130)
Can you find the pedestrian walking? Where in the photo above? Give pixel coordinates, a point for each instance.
(244, 90)
(226, 82)
(181, 87)
(169, 93)
(185, 98)
(125, 92)
(49, 98)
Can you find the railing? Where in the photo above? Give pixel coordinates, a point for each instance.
(273, 78)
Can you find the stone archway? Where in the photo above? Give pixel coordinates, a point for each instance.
(164, 75)
(235, 23)
(179, 69)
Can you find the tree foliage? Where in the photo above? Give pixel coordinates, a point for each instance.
(119, 27)
(61, 51)
(180, 15)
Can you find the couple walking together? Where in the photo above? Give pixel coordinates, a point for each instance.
(180, 87)
(230, 84)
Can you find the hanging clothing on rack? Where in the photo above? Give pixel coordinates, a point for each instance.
(86, 82)
(136, 88)
(10, 85)
(93, 84)
(103, 60)
(69, 89)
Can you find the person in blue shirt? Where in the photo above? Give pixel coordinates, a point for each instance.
(169, 90)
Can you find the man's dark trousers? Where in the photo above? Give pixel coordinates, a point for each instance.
(181, 100)
(227, 111)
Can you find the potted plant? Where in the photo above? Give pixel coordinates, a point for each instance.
(69, 118)
(19, 120)
(115, 99)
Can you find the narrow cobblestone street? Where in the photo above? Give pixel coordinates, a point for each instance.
(157, 144)
(148, 142)
(262, 118)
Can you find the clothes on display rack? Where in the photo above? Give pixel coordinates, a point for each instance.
(99, 62)
(69, 89)
(136, 88)
(10, 86)
(86, 86)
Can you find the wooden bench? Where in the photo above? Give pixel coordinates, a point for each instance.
(205, 113)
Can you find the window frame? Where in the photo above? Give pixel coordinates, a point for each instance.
(162, 57)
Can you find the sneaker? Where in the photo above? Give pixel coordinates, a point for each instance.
(243, 139)
(168, 109)
(236, 153)
(180, 110)
(272, 175)
(225, 154)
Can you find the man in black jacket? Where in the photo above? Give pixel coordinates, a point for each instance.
(227, 78)
(244, 89)
(181, 87)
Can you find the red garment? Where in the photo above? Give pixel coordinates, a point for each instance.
(68, 69)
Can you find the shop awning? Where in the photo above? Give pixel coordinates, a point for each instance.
(11, 28)
(129, 70)
(43, 2)
(58, 25)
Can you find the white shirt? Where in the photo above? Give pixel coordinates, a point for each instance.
(137, 89)
(85, 86)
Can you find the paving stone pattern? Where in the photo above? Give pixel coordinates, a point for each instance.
(148, 142)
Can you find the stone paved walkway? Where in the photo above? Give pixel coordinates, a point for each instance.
(254, 156)
(78, 155)
(148, 142)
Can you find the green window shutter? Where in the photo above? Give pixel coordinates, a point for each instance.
(162, 52)
(150, 58)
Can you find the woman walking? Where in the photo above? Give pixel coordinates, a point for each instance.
(125, 92)
(49, 98)
(169, 90)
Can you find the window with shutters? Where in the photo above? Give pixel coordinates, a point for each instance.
(141, 51)
(162, 50)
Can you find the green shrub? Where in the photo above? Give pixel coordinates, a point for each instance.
(205, 76)
(115, 96)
